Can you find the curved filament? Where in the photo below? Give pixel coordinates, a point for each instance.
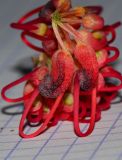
(29, 14)
(114, 74)
(116, 25)
(11, 85)
(115, 56)
(23, 27)
(110, 30)
(76, 110)
(29, 44)
(47, 120)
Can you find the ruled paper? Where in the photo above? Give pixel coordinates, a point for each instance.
(59, 142)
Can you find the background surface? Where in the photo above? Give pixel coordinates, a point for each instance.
(59, 143)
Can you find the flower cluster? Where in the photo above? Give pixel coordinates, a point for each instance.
(72, 76)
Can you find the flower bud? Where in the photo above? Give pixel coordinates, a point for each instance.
(62, 5)
(93, 21)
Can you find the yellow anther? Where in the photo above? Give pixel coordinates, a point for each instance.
(98, 35)
(98, 54)
(68, 99)
(42, 29)
(46, 109)
(42, 57)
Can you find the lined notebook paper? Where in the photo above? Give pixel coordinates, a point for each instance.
(59, 142)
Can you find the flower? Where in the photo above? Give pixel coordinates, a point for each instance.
(70, 76)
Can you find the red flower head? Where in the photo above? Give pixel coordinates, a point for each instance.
(70, 79)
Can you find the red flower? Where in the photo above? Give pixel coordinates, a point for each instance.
(71, 78)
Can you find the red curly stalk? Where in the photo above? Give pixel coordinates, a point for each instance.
(76, 110)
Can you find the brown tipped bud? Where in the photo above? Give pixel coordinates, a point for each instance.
(62, 5)
(47, 11)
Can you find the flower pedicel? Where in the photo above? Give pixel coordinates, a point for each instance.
(69, 80)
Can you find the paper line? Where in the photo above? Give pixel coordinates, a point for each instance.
(106, 135)
(40, 150)
(14, 148)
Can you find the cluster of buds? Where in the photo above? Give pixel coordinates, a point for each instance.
(72, 75)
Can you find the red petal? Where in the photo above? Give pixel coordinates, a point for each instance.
(86, 56)
(61, 76)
